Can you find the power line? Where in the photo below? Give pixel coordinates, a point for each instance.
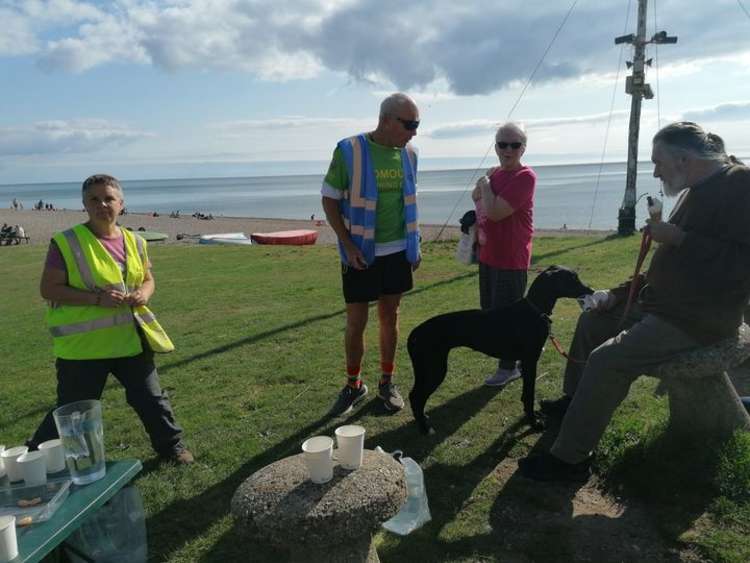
(656, 58)
(609, 120)
(744, 9)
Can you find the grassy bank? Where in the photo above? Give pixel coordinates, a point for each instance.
(259, 361)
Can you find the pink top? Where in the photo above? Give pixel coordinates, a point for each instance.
(506, 244)
(114, 245)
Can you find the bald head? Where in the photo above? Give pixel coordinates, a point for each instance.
(395, 104)
(398, 122)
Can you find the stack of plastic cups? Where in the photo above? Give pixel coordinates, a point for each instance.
(8, 540)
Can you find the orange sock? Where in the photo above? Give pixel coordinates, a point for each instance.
(353, 376)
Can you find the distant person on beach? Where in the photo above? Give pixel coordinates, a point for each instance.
(374, 216)
(504, 200)
(97, 279)
(693, 294)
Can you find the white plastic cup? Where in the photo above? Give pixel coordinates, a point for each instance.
(10, 458)
(54, 453)
(34, 468)
(8, 540)
(318, 453)
(351, 442)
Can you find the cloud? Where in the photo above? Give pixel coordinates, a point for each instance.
(472, 47)
(64, 137)
(729, 111)
(291, 122)
(480, 127)
(17, 37)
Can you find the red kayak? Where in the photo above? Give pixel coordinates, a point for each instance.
(298, 237)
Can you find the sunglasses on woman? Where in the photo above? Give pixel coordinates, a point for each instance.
(503, 145)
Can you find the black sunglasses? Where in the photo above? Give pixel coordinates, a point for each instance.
(409, 124)
(503, 145)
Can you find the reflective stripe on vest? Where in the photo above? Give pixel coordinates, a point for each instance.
(123, 318)
(83, 266)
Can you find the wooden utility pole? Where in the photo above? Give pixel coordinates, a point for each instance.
(636, 86)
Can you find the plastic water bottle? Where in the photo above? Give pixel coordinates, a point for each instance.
(416, 510)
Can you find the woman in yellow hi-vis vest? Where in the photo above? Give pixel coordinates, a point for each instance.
(97, 280)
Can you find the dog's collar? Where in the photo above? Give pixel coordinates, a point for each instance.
(536, 309)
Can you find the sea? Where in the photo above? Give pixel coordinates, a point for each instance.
(572, 196)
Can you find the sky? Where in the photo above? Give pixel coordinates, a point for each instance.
(198, 88)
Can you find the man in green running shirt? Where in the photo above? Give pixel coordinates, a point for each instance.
(369, 198)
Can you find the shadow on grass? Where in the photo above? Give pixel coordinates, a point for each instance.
(550, 522)
(192, 517)
(536, 258)
(293, 326)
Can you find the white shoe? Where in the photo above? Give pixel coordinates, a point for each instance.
(502, 377)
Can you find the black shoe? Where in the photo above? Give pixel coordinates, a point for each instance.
(392, 399)
(555, 408)
(547, 467)
(348, 397)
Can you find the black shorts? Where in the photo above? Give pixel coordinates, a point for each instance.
(388, 275)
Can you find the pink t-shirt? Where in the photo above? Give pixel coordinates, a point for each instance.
(114, 245)
(506, 244)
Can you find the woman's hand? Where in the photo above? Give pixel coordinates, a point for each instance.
(111, 298)
(483, 182)
(137, 298)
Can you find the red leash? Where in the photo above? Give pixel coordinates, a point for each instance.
(561, 351)
(634, 285)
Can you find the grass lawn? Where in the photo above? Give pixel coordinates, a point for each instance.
(259, 361)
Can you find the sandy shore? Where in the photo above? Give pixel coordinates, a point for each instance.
(41, 225)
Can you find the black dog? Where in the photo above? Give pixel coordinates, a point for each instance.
(515, 332)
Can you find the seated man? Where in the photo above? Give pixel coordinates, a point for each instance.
(695, 292)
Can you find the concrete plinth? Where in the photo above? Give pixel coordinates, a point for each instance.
(333, 522)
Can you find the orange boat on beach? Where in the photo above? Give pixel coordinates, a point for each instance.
(297, 237)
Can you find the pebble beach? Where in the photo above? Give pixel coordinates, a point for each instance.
(41, 225)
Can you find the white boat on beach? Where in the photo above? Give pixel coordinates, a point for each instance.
(225, 238)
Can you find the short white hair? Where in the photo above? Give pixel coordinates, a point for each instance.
(518, 128)
(393, 103)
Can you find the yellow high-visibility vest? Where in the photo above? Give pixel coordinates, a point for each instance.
(91, 332)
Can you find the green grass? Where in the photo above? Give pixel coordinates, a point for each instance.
(259, 361)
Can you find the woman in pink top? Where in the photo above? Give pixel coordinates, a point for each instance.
(504, 200)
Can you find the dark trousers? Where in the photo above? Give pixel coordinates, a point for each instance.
(78, 380)
(498, 288)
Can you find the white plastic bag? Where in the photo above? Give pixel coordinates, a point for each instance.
(416, 511)
(465, 250)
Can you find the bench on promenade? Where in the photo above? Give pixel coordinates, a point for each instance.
(703, 402)
(332, 522)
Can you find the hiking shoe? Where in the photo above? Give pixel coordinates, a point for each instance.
(555, 408)
(348, 397)
(547, 467)
(502, 377)
(392, 399)
(178, 454)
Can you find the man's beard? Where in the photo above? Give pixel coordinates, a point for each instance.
(674, 187)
